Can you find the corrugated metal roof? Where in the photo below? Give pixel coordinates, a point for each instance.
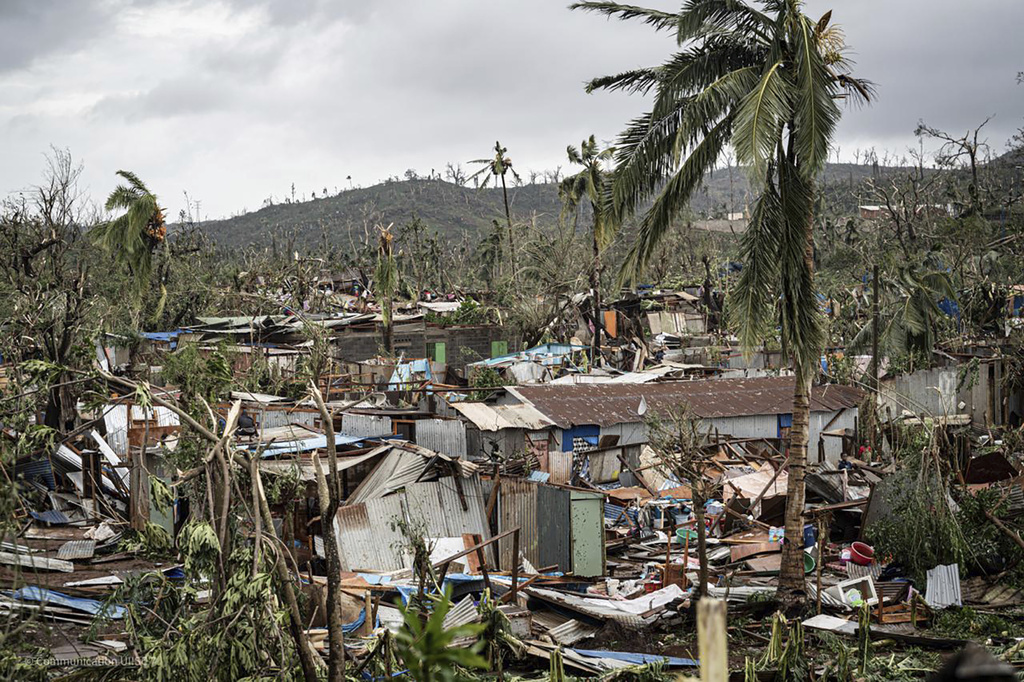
(442, 435)
(497, 417)
(572, 631)
(462, 613)
(77, 549)
(608, 404)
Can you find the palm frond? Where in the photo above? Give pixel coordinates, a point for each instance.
(754, 298)
(816, 110)
(643, 159)
(659, 20)
(800, 314)
(700, 17)
(759, 120)
(673, 198)
(635, 81)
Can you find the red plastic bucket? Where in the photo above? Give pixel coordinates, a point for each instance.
(862, 554)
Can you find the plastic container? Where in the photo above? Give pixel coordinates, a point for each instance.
(809, 563)
(683, 533)
(810, 536)
(862, 554)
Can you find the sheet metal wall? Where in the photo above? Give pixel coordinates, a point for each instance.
(560, 466)
(437, 505)
(116, 421)
(366, 537)
(517, 506)
(554, 518)
(927, 392)
(366, 540)
(270, 418)
(366, 425)
(447, 436)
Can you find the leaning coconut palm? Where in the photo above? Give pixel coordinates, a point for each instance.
(133, 236)
(765, 78)
(385, 285)
(593, 185)
(498, 167)
(911, 311)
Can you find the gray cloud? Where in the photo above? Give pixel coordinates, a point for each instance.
(234, 100)
(33, 29)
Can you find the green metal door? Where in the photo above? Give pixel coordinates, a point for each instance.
(587, 512)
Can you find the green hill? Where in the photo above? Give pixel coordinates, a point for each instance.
(455, 211)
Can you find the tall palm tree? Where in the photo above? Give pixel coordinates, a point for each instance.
(133, 236)
(763, 77)
(593, 185)
(498, 167)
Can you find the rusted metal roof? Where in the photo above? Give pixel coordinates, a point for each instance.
(608, 404)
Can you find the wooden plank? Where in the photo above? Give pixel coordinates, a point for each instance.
(712, 640)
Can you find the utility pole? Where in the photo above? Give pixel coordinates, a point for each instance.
(874, 359)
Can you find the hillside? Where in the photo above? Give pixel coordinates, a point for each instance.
(455, 211)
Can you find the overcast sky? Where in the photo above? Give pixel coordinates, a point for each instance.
(234, 100)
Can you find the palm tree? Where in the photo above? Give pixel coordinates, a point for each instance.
(133, 236)
(765, 78)
(593, 185)
(498, 167)
(911, 310)
(385, 284)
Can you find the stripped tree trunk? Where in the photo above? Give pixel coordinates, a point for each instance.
(595, 287)
(508, 219)
(330, 498)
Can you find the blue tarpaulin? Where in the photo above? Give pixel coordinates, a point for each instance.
(639, 659)
(403, 374)
(91, 606)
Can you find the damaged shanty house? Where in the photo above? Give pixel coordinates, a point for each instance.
(560, 422)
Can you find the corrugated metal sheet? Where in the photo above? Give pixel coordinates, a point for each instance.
(271, 418)
(517, 506)
(366, 425)
(366, 540)
(560, 466)
(77, 549)
(115, 418)
(943, 586)
(497, 417)
(554, 524)
(572, 631)
(447, 436)
(607, 404)
(438, 506)
(463, 613)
